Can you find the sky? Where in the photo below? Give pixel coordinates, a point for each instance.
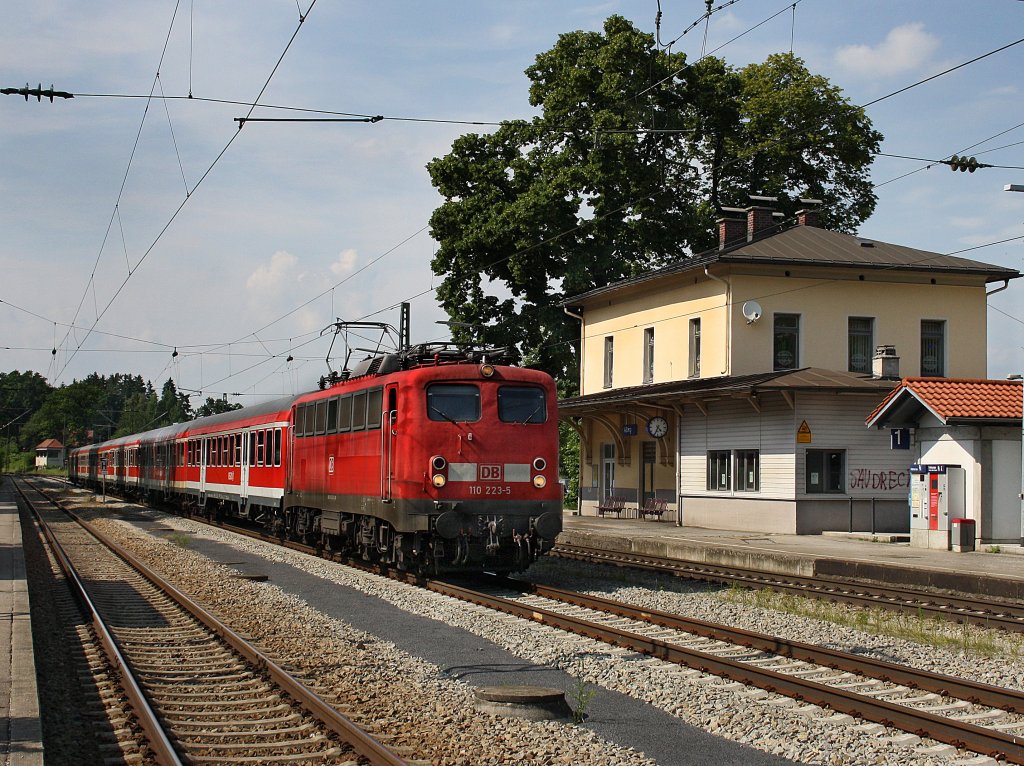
(154, 237)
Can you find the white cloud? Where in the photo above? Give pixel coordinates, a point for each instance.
(268, 277)
(345, 263)
(905, 49)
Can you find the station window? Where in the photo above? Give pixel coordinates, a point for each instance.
(861, 333)
(719, 465)
(747, 473)
(786, 342)
(648, 355)
(455, 402)
(609, 355)
(522, 404)
(825, 471)
(695, 348)
(933, 348)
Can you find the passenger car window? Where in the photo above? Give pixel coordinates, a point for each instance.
(454, 402)
(522, 404)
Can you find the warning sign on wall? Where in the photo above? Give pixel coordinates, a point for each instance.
(803, 433)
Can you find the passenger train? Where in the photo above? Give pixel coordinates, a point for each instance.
(430, 459)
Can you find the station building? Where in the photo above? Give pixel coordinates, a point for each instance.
(734, 384)
(50, 454)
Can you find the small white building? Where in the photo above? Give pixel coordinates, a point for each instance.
(50, 454)
(973, 425)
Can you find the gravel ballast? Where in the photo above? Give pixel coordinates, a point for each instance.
(780, 729)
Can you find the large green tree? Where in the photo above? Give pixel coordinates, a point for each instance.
(631, 157)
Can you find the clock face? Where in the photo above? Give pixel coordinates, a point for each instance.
(657, 427)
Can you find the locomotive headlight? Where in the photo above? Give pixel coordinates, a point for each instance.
(439, 480)
(539, 482)
(438, 463)
(487, 370)
(539, 464)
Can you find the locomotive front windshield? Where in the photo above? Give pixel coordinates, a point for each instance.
(522, 404)
(454, 402)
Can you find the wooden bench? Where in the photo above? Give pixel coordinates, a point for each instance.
(653, 507)
(614, 505)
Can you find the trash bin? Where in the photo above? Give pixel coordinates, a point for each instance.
(962, 535)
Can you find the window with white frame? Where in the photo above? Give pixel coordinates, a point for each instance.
(747, 473)
(719, 470)
(861, 343)
(649, 355)
(786, 346)
(933, 348)
(695, 348)
(609, 347)
(825, 470)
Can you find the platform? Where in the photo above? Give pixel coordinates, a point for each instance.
(830, 555)
(21, 734)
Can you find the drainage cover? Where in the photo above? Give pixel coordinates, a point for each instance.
(534, 703)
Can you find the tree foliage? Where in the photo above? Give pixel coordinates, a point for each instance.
(215, 406)
(634, 153)
(21, 394)
(99, 407)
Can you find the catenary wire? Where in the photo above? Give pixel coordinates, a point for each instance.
(202, 178)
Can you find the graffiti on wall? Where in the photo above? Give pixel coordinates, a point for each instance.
(865, 478)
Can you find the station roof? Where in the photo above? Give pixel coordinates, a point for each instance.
(49, 444)
(726, 386)
(952, 400)
(813, 246)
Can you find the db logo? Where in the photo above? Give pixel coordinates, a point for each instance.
(490, 472)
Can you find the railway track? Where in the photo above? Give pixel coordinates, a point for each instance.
(976, 610)
(981, 718)
(198, 692)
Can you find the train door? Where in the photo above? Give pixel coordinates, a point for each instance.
(243, 468)
(388, 434)
(289, 458)
(203, 460)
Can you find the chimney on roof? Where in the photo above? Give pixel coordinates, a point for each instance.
(809, 215)
(760, 216)
(885, 364)
(732, 227)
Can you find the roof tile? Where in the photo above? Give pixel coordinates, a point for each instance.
(953, 398)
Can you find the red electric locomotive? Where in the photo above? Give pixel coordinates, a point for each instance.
(431, 459)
